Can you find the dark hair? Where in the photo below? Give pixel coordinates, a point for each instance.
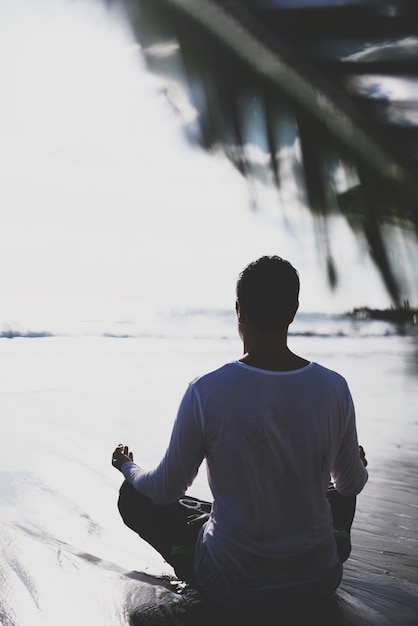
(268, 293)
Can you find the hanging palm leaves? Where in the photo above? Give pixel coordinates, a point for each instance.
(315, 67)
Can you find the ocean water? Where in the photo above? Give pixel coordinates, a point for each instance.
(68, 399)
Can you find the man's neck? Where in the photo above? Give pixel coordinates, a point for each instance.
(270, 352)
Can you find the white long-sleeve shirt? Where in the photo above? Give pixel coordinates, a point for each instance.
(271, 442)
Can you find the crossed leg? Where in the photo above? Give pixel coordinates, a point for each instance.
(173, 529)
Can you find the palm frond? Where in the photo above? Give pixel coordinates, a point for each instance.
(310, 64)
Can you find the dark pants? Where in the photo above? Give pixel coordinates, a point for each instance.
(173, 529)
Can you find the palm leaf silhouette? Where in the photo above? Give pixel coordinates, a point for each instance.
(310, 69)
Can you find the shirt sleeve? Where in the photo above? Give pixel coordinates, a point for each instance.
(180, 464)
(348, 471)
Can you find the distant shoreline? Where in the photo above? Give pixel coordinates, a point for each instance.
(398, 315)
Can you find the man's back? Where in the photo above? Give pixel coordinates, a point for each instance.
(271, 441)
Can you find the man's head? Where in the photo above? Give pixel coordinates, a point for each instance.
(268, 293)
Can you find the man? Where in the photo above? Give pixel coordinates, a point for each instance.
(273, 428)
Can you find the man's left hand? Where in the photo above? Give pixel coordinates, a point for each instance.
(121, 455)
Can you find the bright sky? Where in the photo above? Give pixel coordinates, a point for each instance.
(101, 197)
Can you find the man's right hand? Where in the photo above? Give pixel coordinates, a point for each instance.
(363, 455)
